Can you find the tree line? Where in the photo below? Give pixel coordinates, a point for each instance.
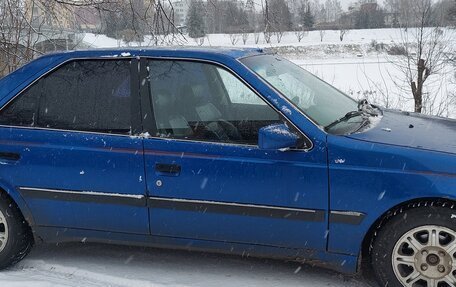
(274, 17)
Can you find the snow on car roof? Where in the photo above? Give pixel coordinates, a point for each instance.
(176, 51)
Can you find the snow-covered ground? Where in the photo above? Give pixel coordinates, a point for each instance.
(352, 38)
(354, 65)
(97, 265)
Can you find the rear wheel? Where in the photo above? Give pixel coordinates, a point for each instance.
(16, 239)
(417, 248)
(3, 232)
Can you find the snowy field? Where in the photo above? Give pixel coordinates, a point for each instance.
(353, 65)
(96, 265)
(379, 80)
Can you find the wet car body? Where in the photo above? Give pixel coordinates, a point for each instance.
(320, 203)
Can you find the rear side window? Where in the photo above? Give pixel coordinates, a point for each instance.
(90, 95)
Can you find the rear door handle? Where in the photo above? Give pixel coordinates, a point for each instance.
(168, 169)
(10, 156)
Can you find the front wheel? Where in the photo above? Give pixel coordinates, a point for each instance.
(417, 248)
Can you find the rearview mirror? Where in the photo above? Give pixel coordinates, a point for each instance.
(277, 136)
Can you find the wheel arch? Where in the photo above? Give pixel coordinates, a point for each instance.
(370, 236)
(19, 201)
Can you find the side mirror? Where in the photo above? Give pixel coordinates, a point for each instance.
(277, 136)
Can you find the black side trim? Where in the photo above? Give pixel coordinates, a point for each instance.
(147, 110)
(136, 122)
(176, 204)
(10, 156)
(81, 196)
(237, 209)
(351, 218)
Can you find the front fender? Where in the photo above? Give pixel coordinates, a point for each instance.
(369, 179)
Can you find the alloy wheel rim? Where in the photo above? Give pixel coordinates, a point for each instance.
(3, 231)
(426, 257)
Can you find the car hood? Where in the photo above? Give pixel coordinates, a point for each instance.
(413, 130)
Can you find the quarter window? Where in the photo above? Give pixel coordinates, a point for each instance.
(200, 101)
(91, 95)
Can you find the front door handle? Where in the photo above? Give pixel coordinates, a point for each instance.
(10, 156)
(167, 169)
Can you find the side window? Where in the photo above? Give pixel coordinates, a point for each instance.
(199, 101)
(90, 95)
(238, 92)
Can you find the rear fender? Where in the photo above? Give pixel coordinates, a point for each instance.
(19, 200)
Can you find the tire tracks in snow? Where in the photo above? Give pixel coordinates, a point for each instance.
(39, 273)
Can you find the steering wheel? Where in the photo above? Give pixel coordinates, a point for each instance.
(222, 130)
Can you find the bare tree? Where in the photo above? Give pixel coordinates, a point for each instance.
(256, 37)
(277, 19)
(344, 24)
(425, 54)
(452, 57)
(322, 34)
(452, 14)
(304, 20)
(402, 13)
(333, 10)
(152, 17)
(342, 32)
(234, 38)
(33, 27)
(279, 34)
(28, 29)
(300, 34)
(318, 11)
(267, 36)
(245, 37)
(267, 32)
(199, 41)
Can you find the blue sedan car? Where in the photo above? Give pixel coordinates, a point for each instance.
(225, 150)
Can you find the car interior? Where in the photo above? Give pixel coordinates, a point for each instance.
(191, 101)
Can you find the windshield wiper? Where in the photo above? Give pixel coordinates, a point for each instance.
(365, 109)
(349, 115)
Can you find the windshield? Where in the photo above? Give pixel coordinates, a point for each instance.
(321, 102)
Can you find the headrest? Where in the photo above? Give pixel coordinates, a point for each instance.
(208, 112)
(163, 98)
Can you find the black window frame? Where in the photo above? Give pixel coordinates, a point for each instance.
(147, 110)
(135, 112)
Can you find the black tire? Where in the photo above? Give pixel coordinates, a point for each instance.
(394, 228)
(20, 239)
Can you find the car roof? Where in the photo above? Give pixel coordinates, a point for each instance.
(172, 51)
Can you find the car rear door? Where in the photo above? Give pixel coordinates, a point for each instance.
(206, 177)
(68, 145)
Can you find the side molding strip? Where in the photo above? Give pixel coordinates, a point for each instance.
(199, 206)
(346, 217)
(202, 206)
(84, 196)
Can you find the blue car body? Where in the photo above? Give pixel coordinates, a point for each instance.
(319, 204)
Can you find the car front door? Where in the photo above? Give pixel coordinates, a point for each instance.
(72, 153)
(207, 178)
